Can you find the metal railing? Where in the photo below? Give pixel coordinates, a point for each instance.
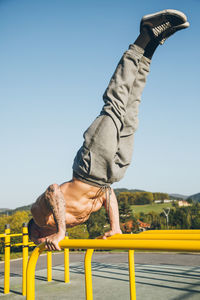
(25, 244)
(169, 240)
(7, 245)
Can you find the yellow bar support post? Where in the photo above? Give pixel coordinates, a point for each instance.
(7, 260)
(49, 266)
(88, 274)
(132, 275)
(25, 256)
(66, 261)
(30, 279)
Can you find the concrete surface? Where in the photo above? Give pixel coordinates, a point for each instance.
(165, 280)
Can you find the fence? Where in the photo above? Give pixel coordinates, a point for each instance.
(164, 240)
(25, 249)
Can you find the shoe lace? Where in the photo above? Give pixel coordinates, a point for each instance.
(160, 28)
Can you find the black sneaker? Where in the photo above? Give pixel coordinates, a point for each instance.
(164, 23)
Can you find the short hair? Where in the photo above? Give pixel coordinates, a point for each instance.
(30, 224)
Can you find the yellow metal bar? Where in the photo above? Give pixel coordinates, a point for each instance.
(16, 245)
(31, 244)
(25, 257)
(132, 275)
(66, 263)
(143, 244)
(49, 266)
(7, 260)
(88, 274)
(171, 236)
(30, 279)
(16, 234)
(179, 231)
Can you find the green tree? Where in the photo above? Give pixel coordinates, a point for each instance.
(195, 222)
(125, 211)
(144, 198)
(160, 196)
(96, 223)
(78, 232)
(15, 220)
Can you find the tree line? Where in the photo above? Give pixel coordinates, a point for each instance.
(141, 198)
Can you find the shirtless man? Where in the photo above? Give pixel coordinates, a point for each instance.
(108, 142)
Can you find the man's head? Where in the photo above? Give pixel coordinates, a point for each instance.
(39, 234)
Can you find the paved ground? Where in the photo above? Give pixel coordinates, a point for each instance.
(158, 276)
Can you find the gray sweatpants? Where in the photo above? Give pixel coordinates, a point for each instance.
(108, 142)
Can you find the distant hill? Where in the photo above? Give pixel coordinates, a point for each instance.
(3, 209)
(26, 207)
(178, 196)
(12, 211)
(172, 196)
(195, 197)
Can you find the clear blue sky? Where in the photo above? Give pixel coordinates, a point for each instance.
(56, 60)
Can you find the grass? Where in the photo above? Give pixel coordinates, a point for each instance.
(155, 207)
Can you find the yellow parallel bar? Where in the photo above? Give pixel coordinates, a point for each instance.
(167, 245)
(66, 263)
(140, 244)
(88, 274)
(7, 260)
(132, 275)
(158, 236)
(179, 231)
(25, 257)
(30, 279)
(49, 266)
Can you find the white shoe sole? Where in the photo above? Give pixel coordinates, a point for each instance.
(166, 12)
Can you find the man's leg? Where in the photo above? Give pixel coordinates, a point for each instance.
(125, 147)
(105, 155)
(94, 161)
(160, 26)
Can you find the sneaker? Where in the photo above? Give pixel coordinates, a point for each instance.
(172, 30)
(164, 23)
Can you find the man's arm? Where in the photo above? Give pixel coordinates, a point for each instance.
(56, 203)
(111, 206)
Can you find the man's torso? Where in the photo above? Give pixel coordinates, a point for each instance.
(81, 200)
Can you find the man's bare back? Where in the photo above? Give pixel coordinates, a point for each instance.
(68, 205)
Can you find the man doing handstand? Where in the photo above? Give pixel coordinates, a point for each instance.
(108, 142)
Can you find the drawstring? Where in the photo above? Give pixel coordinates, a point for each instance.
(103, 189)
(107, 190)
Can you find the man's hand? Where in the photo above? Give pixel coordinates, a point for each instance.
(111, 232)
(52, 241)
